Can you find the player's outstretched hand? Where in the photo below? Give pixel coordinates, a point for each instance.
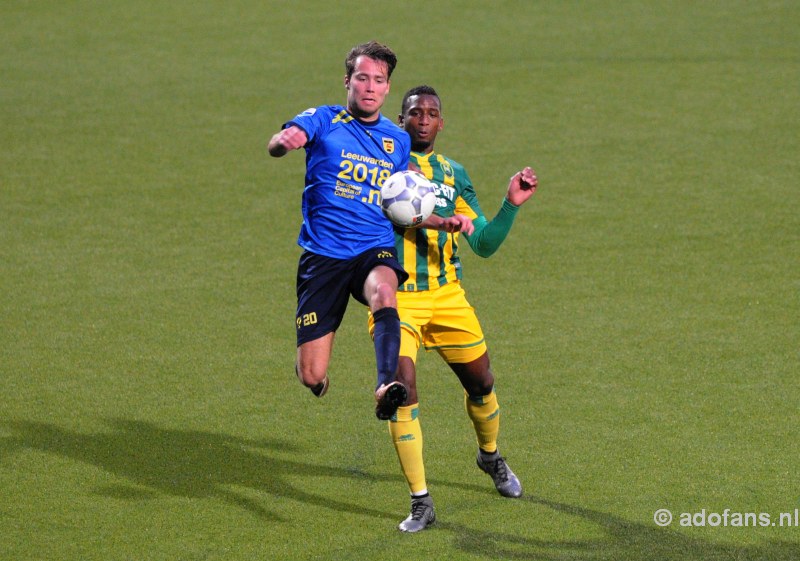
(459, 223)
(522, 186)
(455, 223)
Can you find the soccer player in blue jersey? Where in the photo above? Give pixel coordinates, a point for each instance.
(348, 243)
(434, 311)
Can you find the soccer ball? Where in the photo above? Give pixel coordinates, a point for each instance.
(407, 198)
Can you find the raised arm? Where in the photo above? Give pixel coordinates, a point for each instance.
(290, 138)
(489, 236)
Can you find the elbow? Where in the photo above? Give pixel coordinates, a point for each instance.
(484, 252)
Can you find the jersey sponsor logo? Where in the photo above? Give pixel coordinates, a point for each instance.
(445, 194)
(388, 145)
(366, 158)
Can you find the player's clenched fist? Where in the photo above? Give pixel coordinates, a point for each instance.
(288, 139)
(522, 186)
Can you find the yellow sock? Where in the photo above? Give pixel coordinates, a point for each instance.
(406, 435)
(484, 412)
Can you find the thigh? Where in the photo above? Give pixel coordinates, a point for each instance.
(454, 330)
(414, 309)
(364, 280)
(322, 296)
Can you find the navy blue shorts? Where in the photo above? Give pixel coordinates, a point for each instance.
(324, 287)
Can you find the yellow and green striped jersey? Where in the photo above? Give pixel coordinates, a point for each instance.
(430, 256)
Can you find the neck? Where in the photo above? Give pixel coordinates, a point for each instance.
(363, 117)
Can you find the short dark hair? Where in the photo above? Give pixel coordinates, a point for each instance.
(418, 90)
(373, 50)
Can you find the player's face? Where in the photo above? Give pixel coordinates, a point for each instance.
(422, 120)
(367, 87)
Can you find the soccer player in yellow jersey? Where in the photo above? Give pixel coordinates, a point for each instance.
(434, 311)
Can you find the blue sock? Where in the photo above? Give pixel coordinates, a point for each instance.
(386, 337)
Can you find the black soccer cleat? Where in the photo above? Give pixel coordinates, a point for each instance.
(320, 389)
(389, 398)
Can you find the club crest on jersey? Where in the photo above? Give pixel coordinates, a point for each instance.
(388, 145)
(447, 169)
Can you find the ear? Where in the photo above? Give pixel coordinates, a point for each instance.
(441, 124)
(346, 82)
(400, 120)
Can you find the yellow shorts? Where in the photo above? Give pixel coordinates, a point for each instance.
(440, 320)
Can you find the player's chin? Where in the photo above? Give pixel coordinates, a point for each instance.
(418, 145)
(369, 105)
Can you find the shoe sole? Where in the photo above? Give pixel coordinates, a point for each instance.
(393, 398)
(428, 524)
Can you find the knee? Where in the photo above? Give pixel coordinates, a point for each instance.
(309, 376)
(479, 390)
(480, 385)
(385, 296)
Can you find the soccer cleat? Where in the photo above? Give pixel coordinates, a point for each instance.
(504, 479)
(422, 515)
(320, 389)
(389, 398)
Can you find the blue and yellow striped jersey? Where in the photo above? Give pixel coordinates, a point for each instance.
(429, 256)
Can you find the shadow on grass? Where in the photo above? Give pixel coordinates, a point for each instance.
(623, 540)
(191, 464)
(194, 464)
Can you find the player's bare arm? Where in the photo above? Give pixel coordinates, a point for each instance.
(522, 186)
(456, 223)
(283, 142)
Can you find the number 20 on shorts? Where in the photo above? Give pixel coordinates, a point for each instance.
(306, 320)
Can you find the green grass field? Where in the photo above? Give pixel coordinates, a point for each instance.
(643, 316)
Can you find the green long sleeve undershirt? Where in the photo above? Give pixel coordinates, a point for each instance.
(489, 235)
